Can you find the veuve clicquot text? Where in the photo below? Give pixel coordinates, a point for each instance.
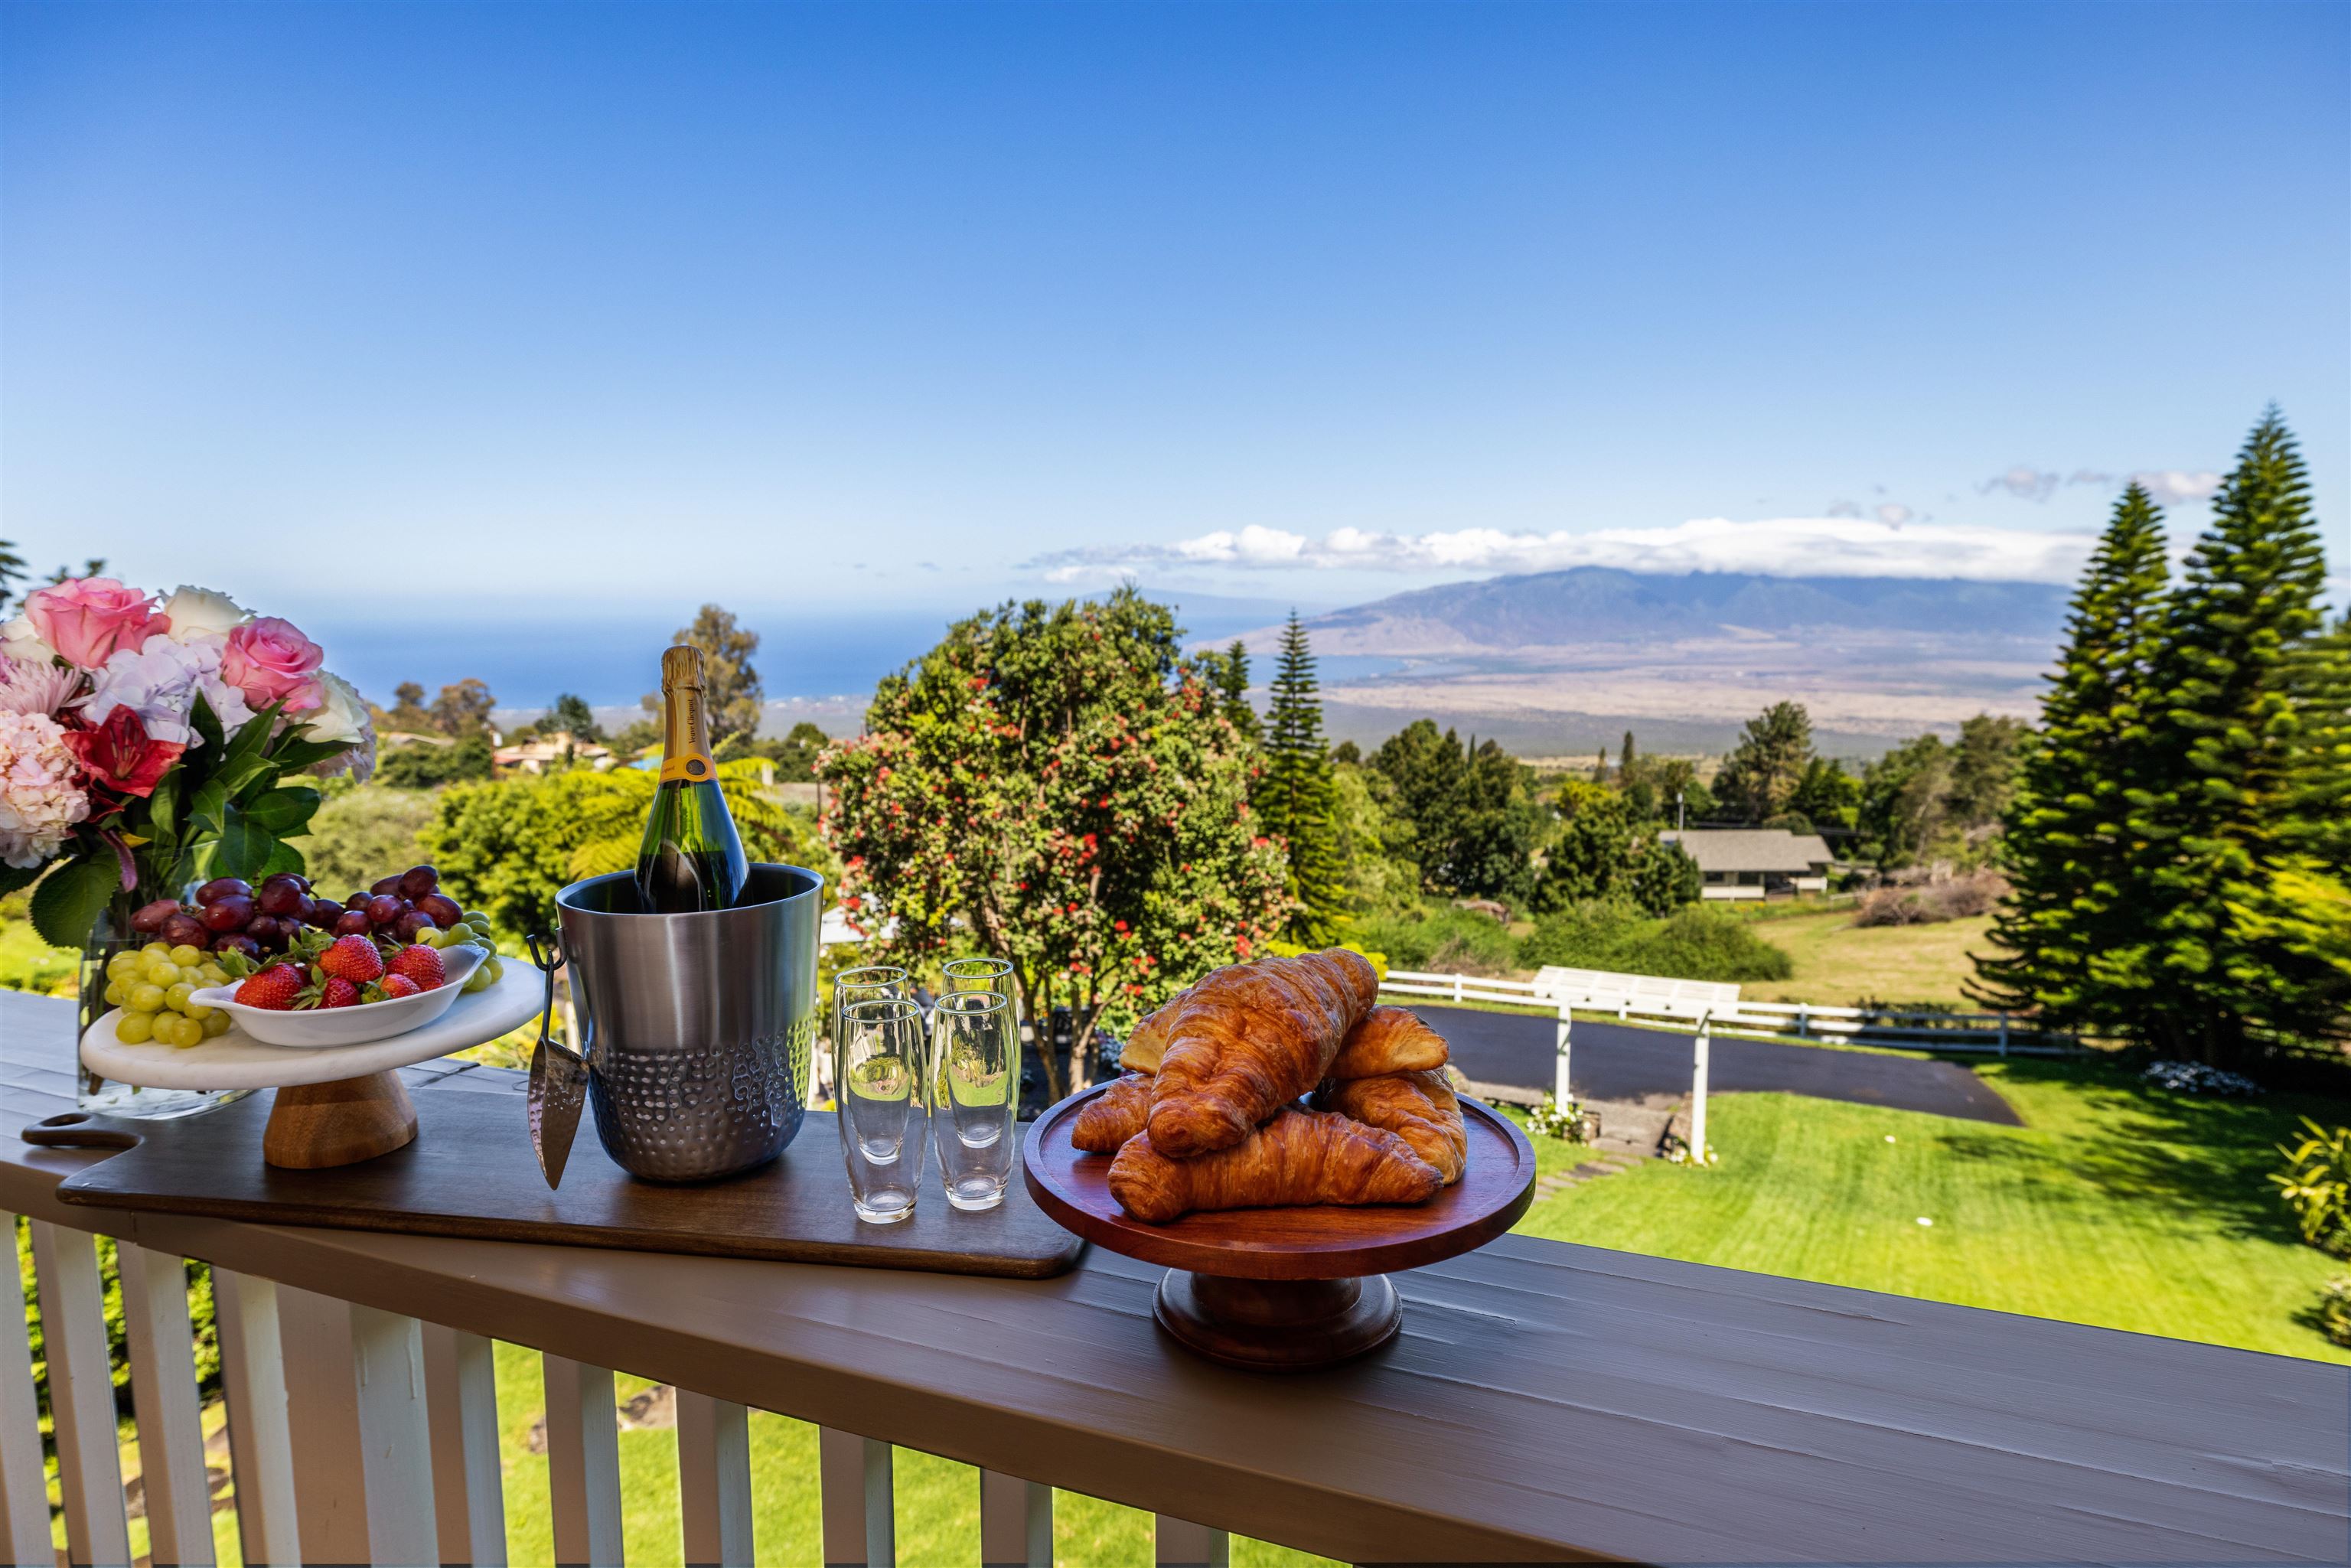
(693, 859)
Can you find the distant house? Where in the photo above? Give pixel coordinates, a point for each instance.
(535, 755)
(1756, 862)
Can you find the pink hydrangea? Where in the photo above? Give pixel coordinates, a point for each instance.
(40, 799)
(85, 618)
(268, 659)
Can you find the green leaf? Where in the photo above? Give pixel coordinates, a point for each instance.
(293, 756)
(13, 877)
(283, 857)
(71, 898)
(244, 845)
(286, 810)
(208, 724)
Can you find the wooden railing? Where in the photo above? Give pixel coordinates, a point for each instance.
(1709, 1414)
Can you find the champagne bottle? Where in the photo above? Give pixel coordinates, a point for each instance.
(691, 859)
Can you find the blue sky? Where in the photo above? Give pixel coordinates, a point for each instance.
(388, 313)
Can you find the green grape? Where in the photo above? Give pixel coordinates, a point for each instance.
(120, 964)
(147, 999)
(161, 971)
(186, 952)
(176, 996)
(216, 1023)
(156, 950)
(117, 993)
(135, 1029)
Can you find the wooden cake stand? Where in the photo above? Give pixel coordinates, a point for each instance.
(1285, 1288)
(336, 1104)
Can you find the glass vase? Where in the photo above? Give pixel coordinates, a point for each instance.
(95, 1090)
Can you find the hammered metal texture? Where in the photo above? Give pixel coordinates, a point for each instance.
(702, 1112)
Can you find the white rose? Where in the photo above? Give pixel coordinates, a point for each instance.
(201, 612)
(19, 640)
(342, 719)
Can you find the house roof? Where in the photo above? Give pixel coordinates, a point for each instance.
(1752, 849)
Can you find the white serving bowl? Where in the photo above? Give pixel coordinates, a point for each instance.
(315, 1027)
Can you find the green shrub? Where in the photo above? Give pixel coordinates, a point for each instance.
(1443, 940)
(2335, 1309)
(1692, 944)
(422, 765)
(363, 834)
(2316, 1185)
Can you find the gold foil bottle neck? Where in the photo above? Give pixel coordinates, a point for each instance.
(682, 666)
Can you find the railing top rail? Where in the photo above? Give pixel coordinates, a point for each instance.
(1808, 1420)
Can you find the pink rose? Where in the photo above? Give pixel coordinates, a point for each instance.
(85, 618)
(268, 659)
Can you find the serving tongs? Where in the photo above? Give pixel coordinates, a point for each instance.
(558, 1075)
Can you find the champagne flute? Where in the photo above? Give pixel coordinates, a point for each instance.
(879, 1090)
(974, 1093)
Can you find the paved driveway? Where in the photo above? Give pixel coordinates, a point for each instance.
(1617, 1061)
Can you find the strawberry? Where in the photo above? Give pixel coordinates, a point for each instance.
(352, 959)
(275, 988)
(397, 985)
(338, 992)
(421, 966)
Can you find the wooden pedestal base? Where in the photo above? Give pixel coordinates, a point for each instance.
(315, 1126)
(1272, 1324)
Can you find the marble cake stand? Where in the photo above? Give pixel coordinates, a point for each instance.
(335, 1105)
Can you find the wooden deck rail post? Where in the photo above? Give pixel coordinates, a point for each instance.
(461, 1402)
(857, 1497)
(1178, 1543)
(1016, 1522)
(24, 1492)
(161, 1343)
(714, 1480)
(583, 1462)
(82, 1396)
(260, 1444)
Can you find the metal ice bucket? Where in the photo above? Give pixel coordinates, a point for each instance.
(698, 1029)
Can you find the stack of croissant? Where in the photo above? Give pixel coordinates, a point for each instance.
(1208, 1116)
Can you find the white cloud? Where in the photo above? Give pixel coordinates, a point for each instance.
(2024, 482)
(2173, 487)
(1884, 546)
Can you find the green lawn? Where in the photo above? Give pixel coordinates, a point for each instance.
(1839, 962)
(29, 964)
(2114, 1206)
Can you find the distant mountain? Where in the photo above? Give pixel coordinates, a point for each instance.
(1589, 604)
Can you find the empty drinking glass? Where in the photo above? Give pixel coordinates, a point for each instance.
(877, 1075)
(975, 1090)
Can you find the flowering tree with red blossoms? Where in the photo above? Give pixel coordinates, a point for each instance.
(1056, 786)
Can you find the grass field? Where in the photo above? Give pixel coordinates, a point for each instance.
(2113, 1205)
(1839, 962)
(29, 964)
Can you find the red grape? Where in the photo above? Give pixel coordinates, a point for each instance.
(351, 922)
(322, 912)
(183, 929)
(222, 887)
(282, 895)
(237, 941)
(358, 901)
(417, 881)
(383, 909)
(266, 929)
(228, 914)
(443, 908)
(386, 883)
(150, 917)
(408, 925)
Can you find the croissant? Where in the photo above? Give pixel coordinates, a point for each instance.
(1299, 1157)
(1418, 1107)
(1247, 1040)
(1144, 1046)
(1389, 1039)
(1114, 1116)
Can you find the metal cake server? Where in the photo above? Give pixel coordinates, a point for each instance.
(559, 1077)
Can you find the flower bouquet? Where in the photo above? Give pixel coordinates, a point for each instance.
(145, 745)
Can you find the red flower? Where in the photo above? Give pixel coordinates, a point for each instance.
(120, 755)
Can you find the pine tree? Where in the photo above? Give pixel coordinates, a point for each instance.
(1228, 675)
(2219, 718)
(1624, 757)
(2065, 846)
(2297, 908)
(1297, 797)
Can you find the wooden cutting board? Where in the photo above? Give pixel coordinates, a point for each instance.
(471, 1173)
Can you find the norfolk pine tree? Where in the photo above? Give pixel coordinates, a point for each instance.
(1296, 796)
(2214, 807)
(2065, 846)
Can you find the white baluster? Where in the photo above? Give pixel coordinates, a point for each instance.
(260, 1448)
(461, 1402)
(24, 1495)
(163, 1390)
(322, 1423)
(583, 1462)
(714, 1480)
(82, 1395)
(854, 1483)
(1016, 1522)
(1562, 1090)
(1698, 1054)
(395, 1440)
(1180, 1544)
